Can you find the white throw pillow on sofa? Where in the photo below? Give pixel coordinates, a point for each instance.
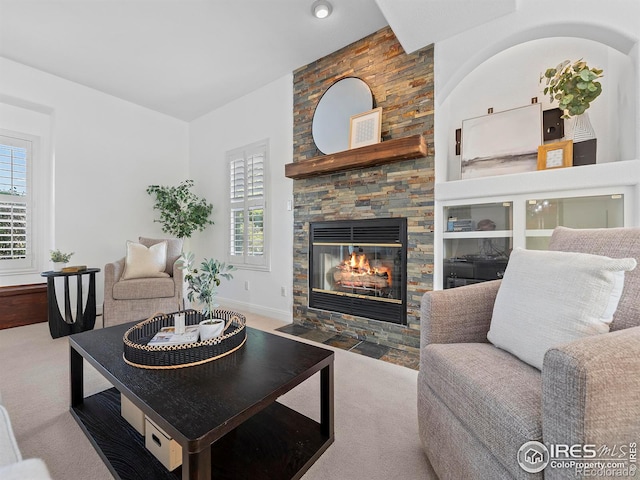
(145, 262)
(548, 298)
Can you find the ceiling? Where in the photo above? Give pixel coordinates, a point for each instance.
(185, 58)
(418, 23)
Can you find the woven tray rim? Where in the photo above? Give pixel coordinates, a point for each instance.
(147, 352)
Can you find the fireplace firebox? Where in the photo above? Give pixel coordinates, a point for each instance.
(358, 267)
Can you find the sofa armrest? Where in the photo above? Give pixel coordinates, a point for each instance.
(112, 273)
(9, 451)
(12, 466)
(32, 469)
(458, 315)
(591, 390)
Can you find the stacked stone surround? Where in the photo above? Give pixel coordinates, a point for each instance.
(403, 86)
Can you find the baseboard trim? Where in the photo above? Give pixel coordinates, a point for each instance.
(284, 316)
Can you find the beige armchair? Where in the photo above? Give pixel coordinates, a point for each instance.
(137, 299)
(478, 404)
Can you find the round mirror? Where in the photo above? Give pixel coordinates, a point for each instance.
(330, 127)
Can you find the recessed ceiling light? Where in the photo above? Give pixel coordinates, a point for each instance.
(321, 9)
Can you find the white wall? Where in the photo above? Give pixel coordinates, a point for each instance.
(266, 113)
(103, 152)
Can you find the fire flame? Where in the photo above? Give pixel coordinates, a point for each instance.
(357, 266)
(360, 263)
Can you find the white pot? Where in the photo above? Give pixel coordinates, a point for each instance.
(582, 128)
(58, 266)
(210, 330)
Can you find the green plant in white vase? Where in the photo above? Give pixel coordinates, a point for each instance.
(59, 259)
(575, 86)
(203, 281)
(181, 211)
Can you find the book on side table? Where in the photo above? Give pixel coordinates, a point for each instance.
(168, 336)
(74, 269)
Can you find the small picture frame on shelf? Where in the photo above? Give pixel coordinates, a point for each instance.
(555, 155)
(365, 128)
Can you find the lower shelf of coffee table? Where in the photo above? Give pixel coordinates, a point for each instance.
(278, 442)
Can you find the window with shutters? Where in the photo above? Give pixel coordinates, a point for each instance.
(248, 207)
(16, 225)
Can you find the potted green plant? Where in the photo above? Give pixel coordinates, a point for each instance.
(202, 287)
(573, 85)
(59, 259)
(181, 211)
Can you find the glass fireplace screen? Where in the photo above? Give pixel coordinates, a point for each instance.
(359, 268)
(371, 270)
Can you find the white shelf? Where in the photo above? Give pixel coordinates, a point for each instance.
(478, 234)
(613, 174)
(538, 233)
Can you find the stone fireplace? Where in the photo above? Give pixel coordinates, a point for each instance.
(358, 267)
(402, 191)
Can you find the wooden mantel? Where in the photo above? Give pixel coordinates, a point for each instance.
(390, 151)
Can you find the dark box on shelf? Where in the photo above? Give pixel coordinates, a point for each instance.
(584, 153)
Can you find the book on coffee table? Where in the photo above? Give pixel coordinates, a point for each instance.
(168, 336)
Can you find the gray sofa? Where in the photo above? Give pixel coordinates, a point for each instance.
(478, 404)
(12, 466)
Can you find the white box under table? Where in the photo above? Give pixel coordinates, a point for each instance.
(163, 447)
(132, 414)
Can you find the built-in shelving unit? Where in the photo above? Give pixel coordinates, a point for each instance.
(524, 209)
(390, 151)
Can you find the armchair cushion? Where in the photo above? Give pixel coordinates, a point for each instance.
(144, 288)
(174, 249)
(548, 298)
(145, 262)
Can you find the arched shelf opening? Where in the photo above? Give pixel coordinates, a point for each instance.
(505, 75)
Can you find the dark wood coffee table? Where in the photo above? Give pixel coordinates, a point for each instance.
(223, 413)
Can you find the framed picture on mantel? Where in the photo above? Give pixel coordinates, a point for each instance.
(365, 128)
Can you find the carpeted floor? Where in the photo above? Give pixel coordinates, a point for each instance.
(375, 410)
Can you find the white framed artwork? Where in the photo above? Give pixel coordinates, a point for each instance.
(365, 128)
(502, 143)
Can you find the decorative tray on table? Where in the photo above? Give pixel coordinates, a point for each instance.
(139, 353)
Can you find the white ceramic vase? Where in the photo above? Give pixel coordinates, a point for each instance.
(582, 128)
(58, 266)
(210, 328)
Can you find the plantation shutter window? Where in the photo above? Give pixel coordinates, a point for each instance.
(247, 206)
(15, 204)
